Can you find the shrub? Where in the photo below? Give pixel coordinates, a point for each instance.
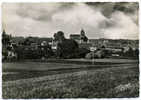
(67, 48)
(81, 52)
(89, 55)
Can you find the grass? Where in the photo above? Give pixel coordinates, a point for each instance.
(25, 70)
(100, 83)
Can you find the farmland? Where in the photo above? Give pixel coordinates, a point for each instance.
(106, 78)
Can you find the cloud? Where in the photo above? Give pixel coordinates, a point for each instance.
(124, 27)
(41, 11)
(99, 20)
(80, 16)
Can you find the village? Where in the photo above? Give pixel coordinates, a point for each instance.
(77, 46)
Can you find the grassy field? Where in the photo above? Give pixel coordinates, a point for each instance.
(58, 80)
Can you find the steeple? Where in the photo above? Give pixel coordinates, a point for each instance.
(83, 36)
(82, 32)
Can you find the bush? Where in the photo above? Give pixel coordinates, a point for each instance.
(131, 53)
(25, 52)
(67, 49)
(81, 52)
(89, 56)
(97, 54)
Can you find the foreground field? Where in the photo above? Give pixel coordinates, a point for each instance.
(56, 80)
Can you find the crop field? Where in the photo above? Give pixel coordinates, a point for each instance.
(107, 78)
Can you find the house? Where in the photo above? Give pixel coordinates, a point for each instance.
(11, 55)
(75, 37)
(54, 45)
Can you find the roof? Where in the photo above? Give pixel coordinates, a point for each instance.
(74, 36)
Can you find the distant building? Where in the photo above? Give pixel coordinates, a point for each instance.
(76, 37)
(54, 45)
(11, 55)
(44, 43)
(79, 38)
(33, 46)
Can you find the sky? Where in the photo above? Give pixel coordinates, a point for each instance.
(110, 20)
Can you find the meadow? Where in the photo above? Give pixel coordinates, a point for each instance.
(113, 79)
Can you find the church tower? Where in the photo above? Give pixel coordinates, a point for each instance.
(83, 37)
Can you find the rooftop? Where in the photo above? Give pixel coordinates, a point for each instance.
(74, 36)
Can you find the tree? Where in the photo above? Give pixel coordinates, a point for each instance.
(82, 52)
(136, 53)
(59, 36)
(5, 44)
(45, 51)
(28, 41)
(129, 52)
(20, 52)
(67, 48)
(5, 38)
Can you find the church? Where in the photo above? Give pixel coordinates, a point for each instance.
(79, 38)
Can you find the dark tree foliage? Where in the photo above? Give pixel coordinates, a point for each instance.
(137, 53)
(45, 51)
(59, 36)
(26, 52)
(28, 41)
(20, 52)
(67, 48)
(5, 38)
(81, 52)
(131, 53)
